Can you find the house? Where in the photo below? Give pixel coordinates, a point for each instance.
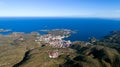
(21, 38)
(53, 54)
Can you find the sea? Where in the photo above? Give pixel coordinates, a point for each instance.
(84, 27)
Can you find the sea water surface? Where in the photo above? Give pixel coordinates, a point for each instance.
(85, 27)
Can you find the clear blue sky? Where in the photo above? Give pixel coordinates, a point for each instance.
(61, 8)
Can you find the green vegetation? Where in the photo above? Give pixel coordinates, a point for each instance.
(96, 56)
(28, 53)
(112, 41)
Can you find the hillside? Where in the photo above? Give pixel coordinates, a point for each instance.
(18, 52)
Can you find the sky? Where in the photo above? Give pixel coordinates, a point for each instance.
(60, 8)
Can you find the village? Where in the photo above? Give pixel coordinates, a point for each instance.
(55, 41)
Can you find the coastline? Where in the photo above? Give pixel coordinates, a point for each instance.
(86, 27)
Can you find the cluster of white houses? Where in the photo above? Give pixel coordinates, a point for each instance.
(55, 41)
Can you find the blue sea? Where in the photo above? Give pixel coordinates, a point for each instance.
(85, 27)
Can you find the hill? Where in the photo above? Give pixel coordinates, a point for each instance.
(25, 52)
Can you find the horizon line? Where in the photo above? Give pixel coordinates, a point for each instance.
(55, 17)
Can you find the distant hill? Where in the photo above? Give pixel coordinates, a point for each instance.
(112, 41)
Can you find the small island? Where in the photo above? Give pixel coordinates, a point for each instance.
(4, 30)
